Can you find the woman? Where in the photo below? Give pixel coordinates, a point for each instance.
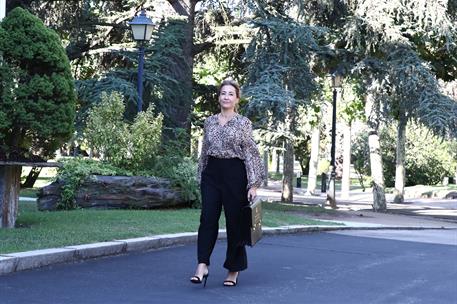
(230, 171)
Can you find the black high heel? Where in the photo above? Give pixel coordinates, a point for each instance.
(230, 283)
(197, 280)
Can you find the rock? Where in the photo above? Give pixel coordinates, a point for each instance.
(49, 196)
(451, 195)
(119, 192)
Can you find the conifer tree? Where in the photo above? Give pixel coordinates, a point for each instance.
(279, 76)
(37, 105)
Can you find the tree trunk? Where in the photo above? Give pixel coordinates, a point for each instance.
(379, 196)
(32, 177)
(10, 179)
(400, 161)
(288, 165)
(278, 160)
(288, 172)
(455, 175)
(314, 161)
(265, 164)
(181, 118)
(346, 178)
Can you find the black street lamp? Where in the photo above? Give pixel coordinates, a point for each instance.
(142, 30)
(337, 81)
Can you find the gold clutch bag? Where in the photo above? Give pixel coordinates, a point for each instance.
(252, 218)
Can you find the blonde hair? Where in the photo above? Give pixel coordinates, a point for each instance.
(232, 83)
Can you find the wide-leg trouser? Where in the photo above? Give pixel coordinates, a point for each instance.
(223, 183)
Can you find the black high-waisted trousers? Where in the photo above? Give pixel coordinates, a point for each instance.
(223, 183)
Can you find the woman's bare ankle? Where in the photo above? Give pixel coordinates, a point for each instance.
(202, 269)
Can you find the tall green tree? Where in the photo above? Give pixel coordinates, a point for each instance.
(37, 105)
(407, 45)
(396, 48)
(279, 76)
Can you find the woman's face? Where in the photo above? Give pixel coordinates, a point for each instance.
(228, 98)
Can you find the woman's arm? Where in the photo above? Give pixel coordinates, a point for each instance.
(254, 165)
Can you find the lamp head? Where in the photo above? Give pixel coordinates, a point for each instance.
(337, 79)
(142, 27)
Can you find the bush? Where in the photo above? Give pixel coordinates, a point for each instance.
(130, 149)
(428, 158)
(181, 170)
(74, 171)
(128, 146)
(183, 175)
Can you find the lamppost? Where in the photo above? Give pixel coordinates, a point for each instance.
(337, 80)
(142, 27)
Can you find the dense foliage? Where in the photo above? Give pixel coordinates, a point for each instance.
(127, 148)
(74, 171)
(37, 105)
(394, 51)
(131, 146)
(428, 158)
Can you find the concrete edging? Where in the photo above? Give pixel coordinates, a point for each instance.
(20, 261)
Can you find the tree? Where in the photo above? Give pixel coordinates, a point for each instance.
(279, 76)
(37, 108)
(103, 56)
(351, 109)
(380, 39)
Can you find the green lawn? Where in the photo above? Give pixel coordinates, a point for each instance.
(32, 192)
(38, 230)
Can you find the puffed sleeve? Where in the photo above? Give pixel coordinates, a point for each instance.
(203, 159)
(254, 165)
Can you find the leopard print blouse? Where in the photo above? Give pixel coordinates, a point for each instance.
(232, 140)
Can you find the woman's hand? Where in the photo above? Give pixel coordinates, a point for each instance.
(252, 193)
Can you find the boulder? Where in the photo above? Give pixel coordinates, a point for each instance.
(451, 195)
(99, 191)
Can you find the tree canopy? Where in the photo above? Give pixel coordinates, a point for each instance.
(37, 106)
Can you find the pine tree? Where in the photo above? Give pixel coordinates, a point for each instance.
(279, 76)
(37, 105)
(397, 49)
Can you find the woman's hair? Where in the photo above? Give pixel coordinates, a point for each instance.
(232, 83)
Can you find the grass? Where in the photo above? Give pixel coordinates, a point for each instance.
(39, 230)
(46, 176)
(32, 192)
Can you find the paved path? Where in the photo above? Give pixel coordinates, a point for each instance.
(353, 267)
(440, 209)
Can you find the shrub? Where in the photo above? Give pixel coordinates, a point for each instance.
(124, 145)
(183, 175)
(74, 171)
(428, 158)
(181, 170)
(130, 149)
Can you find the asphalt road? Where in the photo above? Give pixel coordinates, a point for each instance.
(347, 267)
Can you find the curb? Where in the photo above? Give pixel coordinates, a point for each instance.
(14, 262)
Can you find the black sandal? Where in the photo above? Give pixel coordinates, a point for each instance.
(197, 280)
(230, 283)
